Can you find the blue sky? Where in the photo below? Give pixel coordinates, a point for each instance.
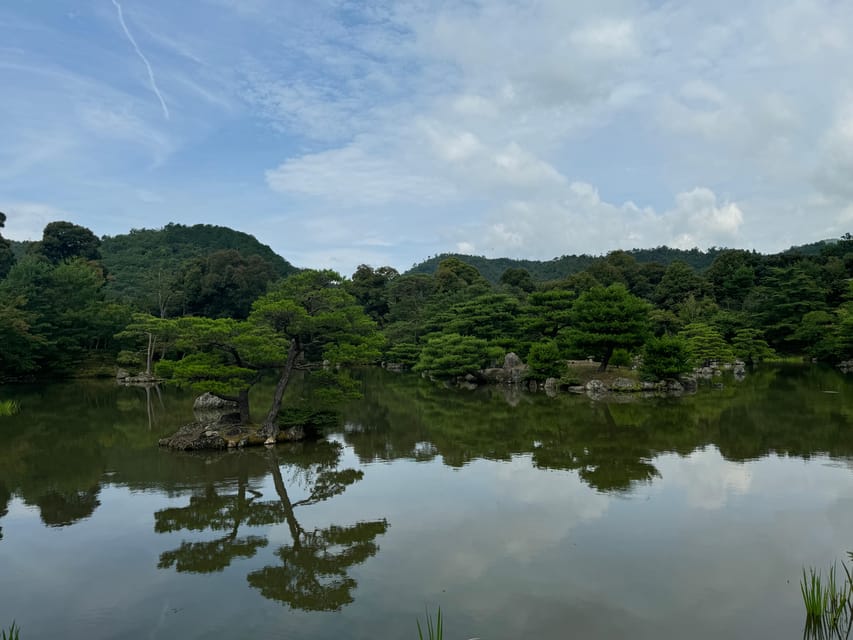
(341, 132)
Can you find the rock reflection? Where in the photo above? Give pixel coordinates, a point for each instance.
(312, 572)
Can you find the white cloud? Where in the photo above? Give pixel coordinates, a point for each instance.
(509, 127)
(835, 169)
(27, 220)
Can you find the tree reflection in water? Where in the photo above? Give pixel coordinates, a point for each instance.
(314, 570)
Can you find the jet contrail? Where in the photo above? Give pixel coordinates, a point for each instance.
(144, 59)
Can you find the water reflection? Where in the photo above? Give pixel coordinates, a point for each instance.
(313, 570)
(611, 444)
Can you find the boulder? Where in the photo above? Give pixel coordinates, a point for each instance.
(210, 402)
(596, 387)
(512, 361)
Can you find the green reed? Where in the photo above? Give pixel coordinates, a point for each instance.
(13, 634)
(829, 603)
(9, 407)
(435, 630)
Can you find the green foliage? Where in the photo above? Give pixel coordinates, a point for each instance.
(604, 319)
(9, 407)
(731, 276)
(493, 317)
(223, 284)
(454, 275)
(450, 355)
(370, 288)
(315, 308)
(750, 346)
(828, 602)
(405, 353)
(65, 241)
(666, 357)
(621, 358)
(547, 312)
(559, 268)
(517, 278)
(435, 630)
(7, 255)
(543, 361)
(55, 315)
(14, 633)
(706, 344)
(677, 284)
(146, 265)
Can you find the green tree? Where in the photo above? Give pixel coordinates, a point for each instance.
(65, 309)
(306, 320)
(224, 284)
(731, 276)
(706, 344)
(666, 357)
(370, 288)
(7, 257)
(65, 240)
(19, 348)
(604, 319)
(547, 312)
(678, 283)
(450, 355)
(492, 316)
(750, 346)
(453, 276)
(518, 278)
(544, 361)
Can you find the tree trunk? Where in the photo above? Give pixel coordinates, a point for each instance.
(243, 404)
(608, 353)
(152, 342)
(270, 426)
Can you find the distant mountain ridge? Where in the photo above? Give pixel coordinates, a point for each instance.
(558, 268)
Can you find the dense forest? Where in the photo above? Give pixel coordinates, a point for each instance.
(215, 307)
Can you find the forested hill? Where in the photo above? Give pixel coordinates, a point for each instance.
(493, 268)
(558, 268)
(134, 259)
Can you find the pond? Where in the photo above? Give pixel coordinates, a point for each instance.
(521, 516)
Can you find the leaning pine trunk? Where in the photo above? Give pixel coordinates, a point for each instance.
(270, 427)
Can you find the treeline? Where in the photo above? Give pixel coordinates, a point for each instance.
(743, 305)
(65, 298)
(557, 268)
(73, 297)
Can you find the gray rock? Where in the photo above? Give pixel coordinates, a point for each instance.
(674, 385)
(512, 361)
(624, 384)
(210, 402)
(596, 387)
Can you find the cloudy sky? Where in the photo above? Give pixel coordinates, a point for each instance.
(347, 131)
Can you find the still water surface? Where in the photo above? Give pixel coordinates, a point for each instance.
(522, 516)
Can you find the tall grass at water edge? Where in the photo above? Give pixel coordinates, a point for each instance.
(829, 603)
(9, 408)
(435, 630)
(14, 632)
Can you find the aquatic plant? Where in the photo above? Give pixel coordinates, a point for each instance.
(9, 407)
(435, 630)
(14, 632)
(829, 603)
